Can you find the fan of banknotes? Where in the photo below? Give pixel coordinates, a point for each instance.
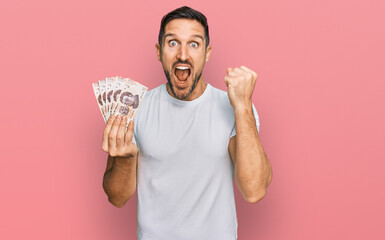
(119, 96)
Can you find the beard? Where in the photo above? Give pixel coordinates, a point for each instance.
(184, 96)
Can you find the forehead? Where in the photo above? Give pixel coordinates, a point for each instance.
(184, 27)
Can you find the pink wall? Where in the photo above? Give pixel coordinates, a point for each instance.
(319, 95)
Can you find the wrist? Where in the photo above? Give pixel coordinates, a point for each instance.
(123, 162)
(243, 108)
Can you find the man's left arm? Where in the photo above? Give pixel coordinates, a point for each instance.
(252, 167)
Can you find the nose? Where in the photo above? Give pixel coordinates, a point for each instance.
(183, 54)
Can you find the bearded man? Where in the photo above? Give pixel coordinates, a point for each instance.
(186, 143)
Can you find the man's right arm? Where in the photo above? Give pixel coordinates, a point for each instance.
(119, 181)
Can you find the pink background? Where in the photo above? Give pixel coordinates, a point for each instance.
(319, 95)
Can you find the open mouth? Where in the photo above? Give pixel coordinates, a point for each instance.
(182, 72)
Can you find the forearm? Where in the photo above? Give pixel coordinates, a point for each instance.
(119, 182)
(252, 169)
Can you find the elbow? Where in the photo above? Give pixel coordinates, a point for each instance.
(118, 202)
(117, 198)
(257, 197)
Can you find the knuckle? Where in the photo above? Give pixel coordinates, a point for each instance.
(105, 149)
(111, 137)
(110, 119)
(119, 138)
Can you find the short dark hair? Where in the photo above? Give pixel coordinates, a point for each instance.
(187, 13)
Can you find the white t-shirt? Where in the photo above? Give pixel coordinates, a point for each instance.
(185, 172)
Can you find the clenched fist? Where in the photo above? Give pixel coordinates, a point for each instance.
(116, 141)
(240, 83)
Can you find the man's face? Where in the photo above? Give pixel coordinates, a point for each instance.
(183, 55)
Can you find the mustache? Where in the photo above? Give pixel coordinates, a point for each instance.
(182, 62)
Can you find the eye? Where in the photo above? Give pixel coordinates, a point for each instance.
(194, 44)
(172, 43)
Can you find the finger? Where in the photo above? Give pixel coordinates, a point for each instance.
(229, 80)
(233, 73)
(129, 133)
(235, 70)
(246, 69)
(112, 134)
(226, 81)
(250, 71)
(238, 70)
(121, 132)
(107, 129)
(244, 73)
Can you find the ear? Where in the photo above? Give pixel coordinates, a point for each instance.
(208, 53)
(157, 47)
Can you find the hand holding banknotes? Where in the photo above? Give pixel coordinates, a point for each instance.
(118, 99)
(117, 142)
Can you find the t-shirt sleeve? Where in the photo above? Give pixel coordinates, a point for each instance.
(234, 132)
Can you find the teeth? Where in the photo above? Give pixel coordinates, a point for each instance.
(182, 68)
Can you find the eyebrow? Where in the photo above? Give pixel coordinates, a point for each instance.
(173, 35)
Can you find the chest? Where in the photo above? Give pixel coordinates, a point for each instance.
(185, 135)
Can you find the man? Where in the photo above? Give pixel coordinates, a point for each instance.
(190, 139)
